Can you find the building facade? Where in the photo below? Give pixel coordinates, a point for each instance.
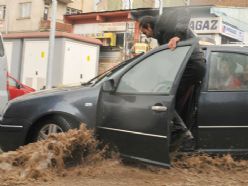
(236, 3)
(221, 25)
(115, 29)
(108, 5)
(88, 6)
(172, 3)
(33, 15)
(142, 4)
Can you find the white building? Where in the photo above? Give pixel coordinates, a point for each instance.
(221, 25)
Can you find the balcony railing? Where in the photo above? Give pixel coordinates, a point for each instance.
(61, 1)
(65, 1)
(64, 27)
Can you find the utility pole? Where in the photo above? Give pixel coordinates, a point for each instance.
(51, 45)
(6, 23)
(130, 5)
(161, 6)
(187, 2)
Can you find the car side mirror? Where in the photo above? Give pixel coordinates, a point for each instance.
(108, 86)
(18, 86)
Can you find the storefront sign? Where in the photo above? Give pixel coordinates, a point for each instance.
(206, 25)
(100, 34)
(114, 26)
(232, 32)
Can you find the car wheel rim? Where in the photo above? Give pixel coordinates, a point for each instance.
(48, 129)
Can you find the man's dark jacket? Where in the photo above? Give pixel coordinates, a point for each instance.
(171, 23)
(175, 22)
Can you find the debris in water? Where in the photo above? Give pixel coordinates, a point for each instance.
(37, 160)
(76, 154)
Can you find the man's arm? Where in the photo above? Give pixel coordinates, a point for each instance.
(173, 42)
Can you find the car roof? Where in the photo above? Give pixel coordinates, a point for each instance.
(204, 47)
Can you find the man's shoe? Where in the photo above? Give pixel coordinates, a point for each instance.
(180, 138)
(188, 135)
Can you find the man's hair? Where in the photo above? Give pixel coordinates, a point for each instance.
(146, 21)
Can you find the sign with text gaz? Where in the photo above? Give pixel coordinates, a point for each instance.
(206, 25)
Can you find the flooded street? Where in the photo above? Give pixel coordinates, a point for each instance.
(73, 158)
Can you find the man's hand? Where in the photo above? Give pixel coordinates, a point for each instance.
(173, 43)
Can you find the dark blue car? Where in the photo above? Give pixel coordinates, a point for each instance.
(132, 105)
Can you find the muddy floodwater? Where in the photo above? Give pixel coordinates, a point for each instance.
(77, 158)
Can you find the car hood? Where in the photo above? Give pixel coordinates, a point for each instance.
(54, 99)
(47, 93)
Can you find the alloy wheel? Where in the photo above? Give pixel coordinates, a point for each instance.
(48, 129)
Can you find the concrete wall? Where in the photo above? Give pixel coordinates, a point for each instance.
(61, 10)
(78, 4)
(108, 5)
(102, 5)
(241, 3)
(143, 4)
(15, 57)
(170, 3)
(88, 6)
(114, 4)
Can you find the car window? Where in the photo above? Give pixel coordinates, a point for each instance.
(12, 82)
(115, 71)
(154, 74)
(228, 71)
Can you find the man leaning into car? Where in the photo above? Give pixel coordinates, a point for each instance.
(170, 28)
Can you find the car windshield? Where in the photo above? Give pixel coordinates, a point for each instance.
(109, 72)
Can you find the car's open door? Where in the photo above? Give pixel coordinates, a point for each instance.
(136, 104)
(3, 77)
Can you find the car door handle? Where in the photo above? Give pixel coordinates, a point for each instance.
(159, 108)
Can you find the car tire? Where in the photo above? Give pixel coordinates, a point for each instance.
(51, 125)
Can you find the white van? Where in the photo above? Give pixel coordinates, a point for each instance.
(3, 77)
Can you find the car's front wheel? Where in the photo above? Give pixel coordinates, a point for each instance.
(51, 125)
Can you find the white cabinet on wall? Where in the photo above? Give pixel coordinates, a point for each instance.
(8, 51)
(75, 61)
(80, 62)
(34, 65)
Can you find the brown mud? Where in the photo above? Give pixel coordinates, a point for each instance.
(74, 158)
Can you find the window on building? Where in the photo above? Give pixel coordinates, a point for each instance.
(228, 71)
(2, 12)
(120, 40)
(70, 11)
(228, 40)
(25, 10)
(46, 11)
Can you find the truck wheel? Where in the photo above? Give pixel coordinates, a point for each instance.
(51, 125)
